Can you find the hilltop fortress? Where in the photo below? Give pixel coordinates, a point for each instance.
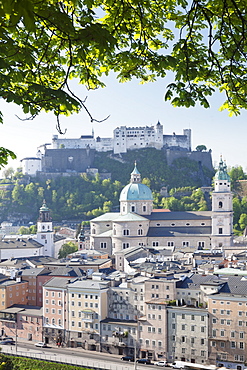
(77, 155)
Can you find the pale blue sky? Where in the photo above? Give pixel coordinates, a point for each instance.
(130, 104)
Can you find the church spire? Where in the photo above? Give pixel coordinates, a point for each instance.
(135, 175)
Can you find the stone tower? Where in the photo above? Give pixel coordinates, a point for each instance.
(222, 210)
(44, 231)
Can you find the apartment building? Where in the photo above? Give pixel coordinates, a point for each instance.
(55, 321)
(87, 307)
(13, 292)
(187, 329)
(228, 324)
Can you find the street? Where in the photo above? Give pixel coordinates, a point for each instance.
(73, 356)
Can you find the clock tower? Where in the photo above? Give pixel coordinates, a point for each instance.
(44, 231)
(222, 210)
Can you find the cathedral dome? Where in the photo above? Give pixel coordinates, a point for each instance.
(136, 192)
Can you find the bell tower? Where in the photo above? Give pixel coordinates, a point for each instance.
(44, 230)
(222, 210)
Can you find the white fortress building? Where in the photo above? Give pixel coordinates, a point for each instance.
(77, 155)
(127, 138)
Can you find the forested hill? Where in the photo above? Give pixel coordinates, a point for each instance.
(81, 197)
(152, 164)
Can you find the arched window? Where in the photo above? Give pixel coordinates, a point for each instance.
(126, 232)
(93, 231)
(133, 208)
(220, 204)
(140, 232)
(53, 321)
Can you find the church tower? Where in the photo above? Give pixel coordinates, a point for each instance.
(222, 210)
(44, 231)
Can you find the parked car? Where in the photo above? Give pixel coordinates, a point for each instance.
(41, 344)
(6, 338)
(128, 358)
(161, 363)
(7, 341)
(145, 361)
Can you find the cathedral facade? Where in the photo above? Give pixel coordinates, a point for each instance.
(138, 224)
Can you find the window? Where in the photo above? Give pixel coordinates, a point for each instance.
(220, 204)
(140, 232)
(126, 232)
(240, 323)
(183, 316)
(193, 328)
(155, 244)
(233, 344)
(183, 327)
(241, 335)
(192, 317)
(220, 230)
(103, 245)
(170, 244)
(241, 345)
(186, 244)
(222, 333)
(125, 245)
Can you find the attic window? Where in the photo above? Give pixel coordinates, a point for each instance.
(173, 224)
(187, 224)
(157, 224)
(107, 225)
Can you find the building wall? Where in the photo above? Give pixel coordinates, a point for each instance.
(188, 334)
(228, 330)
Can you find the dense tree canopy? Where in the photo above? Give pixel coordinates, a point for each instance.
(47, 43)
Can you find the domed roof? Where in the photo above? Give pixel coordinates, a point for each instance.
(136, 191)
(222, 174)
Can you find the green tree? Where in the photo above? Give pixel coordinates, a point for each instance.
(242, 221)
(67, 249)
(47, 43)
(23, 230)
(200, 148)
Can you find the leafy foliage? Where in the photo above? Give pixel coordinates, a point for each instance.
(67, 249)
(47, 43)
(21, 363)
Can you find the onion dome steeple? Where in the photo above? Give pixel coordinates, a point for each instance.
(44, 213)
(222, 174)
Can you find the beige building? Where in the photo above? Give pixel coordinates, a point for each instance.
(228, 324)
(87, 307)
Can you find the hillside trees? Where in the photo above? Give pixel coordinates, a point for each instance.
(47, 43)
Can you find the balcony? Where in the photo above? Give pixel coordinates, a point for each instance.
(88, 316)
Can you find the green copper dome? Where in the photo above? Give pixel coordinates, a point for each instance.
(135, 190)
(222, 174)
